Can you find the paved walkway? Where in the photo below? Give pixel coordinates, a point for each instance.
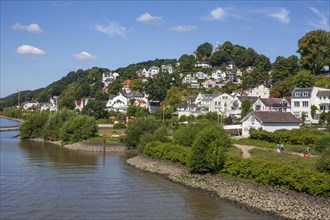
(247, 148)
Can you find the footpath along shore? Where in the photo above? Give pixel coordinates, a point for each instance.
(272, 201)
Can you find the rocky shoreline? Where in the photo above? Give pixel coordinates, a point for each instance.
(272, 201)
(92, 147)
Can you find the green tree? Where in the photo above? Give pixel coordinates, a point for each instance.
(314, 49)
(246, 108)
(284, 67)
(281, 88)
(34, 126)
(322, 143)
(137, 127)
(313, 111)
(136, 111)
(219, 58)
(208, 150)
(161, 134)
(185, 134)
(322, 81)
(55, 123)
(186, 63)
(67, 98)
(95, 108)
(137, 85)
(78, 128)
(174, 96)
(323, 162)
(303, 79)
(204, 50)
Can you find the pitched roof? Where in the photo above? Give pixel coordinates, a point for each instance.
(276, 117)
(323, 93)
(252, 99)
(274, 102)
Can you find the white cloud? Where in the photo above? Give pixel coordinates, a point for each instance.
(282, 15)
(27, 49)
(111, 29)
(322, 21)
(218, 14)
(148, 18)
(184, 28)
(34, 28)
(84, 56)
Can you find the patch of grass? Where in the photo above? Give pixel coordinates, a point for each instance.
(265, 144)
(103, 121)
(235, 151)
(300, 162)
(108, 132)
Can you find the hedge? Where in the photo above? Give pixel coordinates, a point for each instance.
(275, 174)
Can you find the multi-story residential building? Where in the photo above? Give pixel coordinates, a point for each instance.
(236, 104)
(302, 100)
(273, 104)
(167, 69)
(221, 103)
(203, 64)
(260, 91)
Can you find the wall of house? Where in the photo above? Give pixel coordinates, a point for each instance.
(250, 122)
(271, 127)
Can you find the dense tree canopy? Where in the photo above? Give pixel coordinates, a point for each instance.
(314, 49)
(204, 51)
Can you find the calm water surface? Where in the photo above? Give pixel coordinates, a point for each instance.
(44, 181)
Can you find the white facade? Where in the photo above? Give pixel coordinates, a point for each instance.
(118, 103)
(260, 91)
(203, 64)
(221, 103)
(302, 99)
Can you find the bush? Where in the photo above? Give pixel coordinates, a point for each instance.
(119, 126)
(208, 150)
(323, 163)
(55, 122)
(322, 143)
(34, 126)
(185, 134)
(278, 174)
(137, 127)
(78, 128)
(161, 134)
(168, 151)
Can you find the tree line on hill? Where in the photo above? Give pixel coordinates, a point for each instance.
(283, 74)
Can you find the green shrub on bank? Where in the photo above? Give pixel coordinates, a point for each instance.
(323, 163)
(301, 136)
(168, 151)
(55, 123)
(273, 174)
(34, 126)
(78, 128)
(322, 143)
(208, 150)
(119, 126)
(161, 134)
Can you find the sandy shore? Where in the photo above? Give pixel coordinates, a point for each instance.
(272, 201)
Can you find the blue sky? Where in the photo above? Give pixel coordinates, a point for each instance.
(41, 41)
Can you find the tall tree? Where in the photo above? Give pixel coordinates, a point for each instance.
(303, 79)
(204, 50)
(246, 108)
(284, 67)
(96, 109)
(186, 63)
(314, 49)
(281, 88)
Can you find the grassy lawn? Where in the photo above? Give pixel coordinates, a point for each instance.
(265, 144)
(235, 151)
(107, 134)
(285, 157)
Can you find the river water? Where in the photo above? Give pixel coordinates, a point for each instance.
(44, 181)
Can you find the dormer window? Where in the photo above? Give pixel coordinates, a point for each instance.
(297, 94)
(305, 94)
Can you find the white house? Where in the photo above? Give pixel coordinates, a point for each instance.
(260, 91)
(273, 104)
(167, 69)
(209, 84)
(117, 103)
(80, 103)
(153, 71)
(221, 103)
(200, 75)
(109, 77)
(269, 121)
(235, 106)
(204, 101)
(302, 99)
(203, 64)
(218, 75)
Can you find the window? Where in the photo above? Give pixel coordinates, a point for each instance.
(296, 104)
(305, 104)
(296, 114)
(305, 94)
(297, 94)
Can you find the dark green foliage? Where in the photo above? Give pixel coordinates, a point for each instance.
(136, 128)
(96, 109)
(204, 50)
(277, 174)
(323, 163)
(33, 127)
(295, 136)
(246, 108)
(136, 111)
(303, 79)
(168, 151)
(78, 128)
(322, 143)
(161, 134)
(55, 122)
(208, 150)
(185, 134)
(119, 126)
